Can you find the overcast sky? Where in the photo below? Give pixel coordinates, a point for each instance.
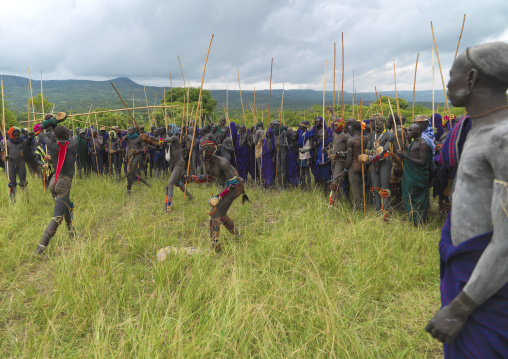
(141, 39)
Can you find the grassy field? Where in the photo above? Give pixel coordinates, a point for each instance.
(301, 283)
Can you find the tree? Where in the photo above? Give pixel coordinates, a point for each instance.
(179, 95)
(37, 104)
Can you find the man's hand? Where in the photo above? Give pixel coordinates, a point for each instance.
(45, 166)
(187, 178)
(324, 150)
(143, 137)
(400, 154)
(446, 325)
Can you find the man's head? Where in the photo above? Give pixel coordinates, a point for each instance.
(222, 121)
(241, 129)
(357, 127)
(378, 122)
(131, 130)
(152, 129)
(14, 133)
(276, 126)
(103, 130)
(82, 133)
(173, 129)
(318, 122)
(304, 125)
(390, 122)
(338, 125)
(214, 128)
(94, 133)
(294, 136)
(422, 121)
(62, 133)
(414, 131)
(480, 70)
(209, 148)
(260, 126)
(224, 133)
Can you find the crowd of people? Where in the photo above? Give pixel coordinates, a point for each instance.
(379, 162)
(383, 162)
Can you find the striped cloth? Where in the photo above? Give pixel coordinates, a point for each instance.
(485, 334)
(454, 143)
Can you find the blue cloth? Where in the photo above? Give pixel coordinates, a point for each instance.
(485, 334)
(438, 124)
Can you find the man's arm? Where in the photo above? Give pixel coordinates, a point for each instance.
(423, 147)
(227, 169)
(49, 142)
(491, 271)
(349, 158)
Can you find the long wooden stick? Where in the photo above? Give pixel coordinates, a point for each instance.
(241, 100)
(282, 105)
(31, 96)
(395, 123)
(414, 85)
(197, 112)
(126, 107)
(4, 133)
(270, 92)
(460, 37)
(353, 113)
(181, 71)
(324, 127)
(42, 96)
(342, 90)
(334, 60)
(439, 63)
(363, 168)
(433, 112)
(396, 97)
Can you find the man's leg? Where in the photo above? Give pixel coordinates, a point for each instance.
(11, 170)
(376, 184)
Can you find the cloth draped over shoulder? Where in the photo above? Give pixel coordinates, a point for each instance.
(454, 143)
(242, 153)
(268, 165)
(415, 187)
(292, 168)
(485, 334)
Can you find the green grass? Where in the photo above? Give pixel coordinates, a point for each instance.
(300, 284)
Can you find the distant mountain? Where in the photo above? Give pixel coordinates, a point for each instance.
(78, 95)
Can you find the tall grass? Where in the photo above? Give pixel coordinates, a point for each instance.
(301, 283)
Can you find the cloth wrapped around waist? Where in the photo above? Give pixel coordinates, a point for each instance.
(485, 334)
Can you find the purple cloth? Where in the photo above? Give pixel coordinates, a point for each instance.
(485, 334)
(268, 164)
(438, 124)
(293, 169)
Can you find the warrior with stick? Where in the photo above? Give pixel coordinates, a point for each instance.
(176, 179)
(378, 148)
(63, 155)
(220, 169)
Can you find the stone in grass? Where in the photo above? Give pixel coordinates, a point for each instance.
(163, 253)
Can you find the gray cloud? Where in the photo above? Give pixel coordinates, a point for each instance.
(141, 39)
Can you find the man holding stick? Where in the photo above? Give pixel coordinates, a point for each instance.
(63, 156)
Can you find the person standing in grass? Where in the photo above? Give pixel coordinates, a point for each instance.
(472, 321)
(220, 169)
(416, 176)
(63, 156)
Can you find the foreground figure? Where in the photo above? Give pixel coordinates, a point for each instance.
(474, 241)
(220, 169)
(63, 154)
